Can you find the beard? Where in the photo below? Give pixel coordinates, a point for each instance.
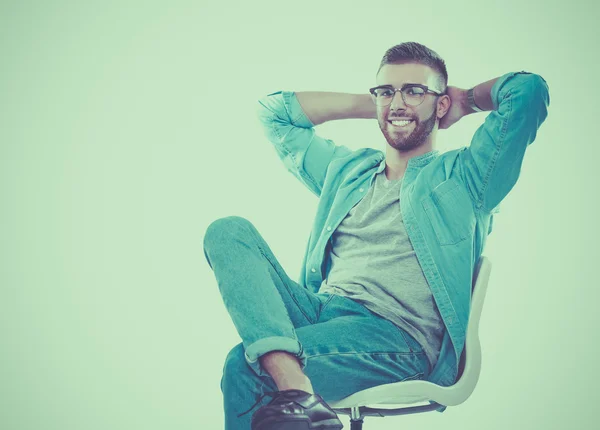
(405, 140)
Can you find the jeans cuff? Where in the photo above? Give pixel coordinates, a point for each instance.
(274, 343)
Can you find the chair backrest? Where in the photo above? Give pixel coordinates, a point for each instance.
(479, 287)
(413, 391)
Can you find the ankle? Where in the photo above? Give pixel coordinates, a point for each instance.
(286, 371)
(303, 385)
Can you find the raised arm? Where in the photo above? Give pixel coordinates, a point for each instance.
(492, 163)
(288, 121)
(321, 106)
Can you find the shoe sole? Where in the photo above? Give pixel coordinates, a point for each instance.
(300, 424)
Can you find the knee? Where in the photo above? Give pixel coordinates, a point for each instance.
(235, 362)
(223, 228)
(241, 387)
(235, 369)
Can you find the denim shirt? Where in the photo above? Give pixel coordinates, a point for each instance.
(447, 200)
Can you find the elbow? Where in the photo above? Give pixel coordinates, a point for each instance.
(535, 97)
(267, 107)
(541, 98)
(539, 89)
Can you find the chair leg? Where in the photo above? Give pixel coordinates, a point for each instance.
(356, 424)
(356, 421)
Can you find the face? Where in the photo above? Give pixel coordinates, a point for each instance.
(424, 116)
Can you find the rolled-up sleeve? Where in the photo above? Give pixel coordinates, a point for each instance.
(304, 153)
(491, 164)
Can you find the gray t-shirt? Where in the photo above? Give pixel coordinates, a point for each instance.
(374, 263)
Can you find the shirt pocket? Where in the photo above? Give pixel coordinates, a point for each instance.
(450, 212)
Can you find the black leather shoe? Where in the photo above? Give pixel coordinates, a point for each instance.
(294, 410)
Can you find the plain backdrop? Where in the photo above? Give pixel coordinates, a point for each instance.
(127, 127)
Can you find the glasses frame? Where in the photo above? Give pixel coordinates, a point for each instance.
(405, 86)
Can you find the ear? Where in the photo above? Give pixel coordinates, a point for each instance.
(443, 105)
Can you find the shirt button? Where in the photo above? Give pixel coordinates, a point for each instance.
(329, 228)
(361, 189)
(313, 270)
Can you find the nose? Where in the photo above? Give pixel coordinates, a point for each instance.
(397, 102)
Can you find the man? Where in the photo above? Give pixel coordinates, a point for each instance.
(385, 285)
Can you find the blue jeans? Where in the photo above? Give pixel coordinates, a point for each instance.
(341, 345)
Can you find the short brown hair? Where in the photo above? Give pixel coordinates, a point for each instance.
(413, 52)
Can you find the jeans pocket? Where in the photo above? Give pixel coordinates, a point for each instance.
(325, 300)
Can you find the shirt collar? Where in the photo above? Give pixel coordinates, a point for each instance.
(423, 159)
(418, 160)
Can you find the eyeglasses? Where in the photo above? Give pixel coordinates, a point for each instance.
(412, 94)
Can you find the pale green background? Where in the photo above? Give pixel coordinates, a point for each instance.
(126, 128)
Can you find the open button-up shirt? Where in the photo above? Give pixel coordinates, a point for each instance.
(447, 200)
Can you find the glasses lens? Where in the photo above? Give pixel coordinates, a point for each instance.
(383, 96)
(413, 95)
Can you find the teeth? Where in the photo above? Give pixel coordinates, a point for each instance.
(401, 123)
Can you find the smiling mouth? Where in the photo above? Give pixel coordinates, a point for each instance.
(400, 124)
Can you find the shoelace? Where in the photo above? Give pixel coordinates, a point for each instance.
(272, 394)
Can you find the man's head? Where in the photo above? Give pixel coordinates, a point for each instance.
(411, 63)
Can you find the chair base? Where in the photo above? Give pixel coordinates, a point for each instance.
(357, 413)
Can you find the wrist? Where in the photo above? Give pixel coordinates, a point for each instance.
(470, 101)
(364, 107)
(464, 103)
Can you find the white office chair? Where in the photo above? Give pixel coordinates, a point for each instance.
(416, 391)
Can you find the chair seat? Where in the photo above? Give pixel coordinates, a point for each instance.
(408, 393)
(417, 391)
